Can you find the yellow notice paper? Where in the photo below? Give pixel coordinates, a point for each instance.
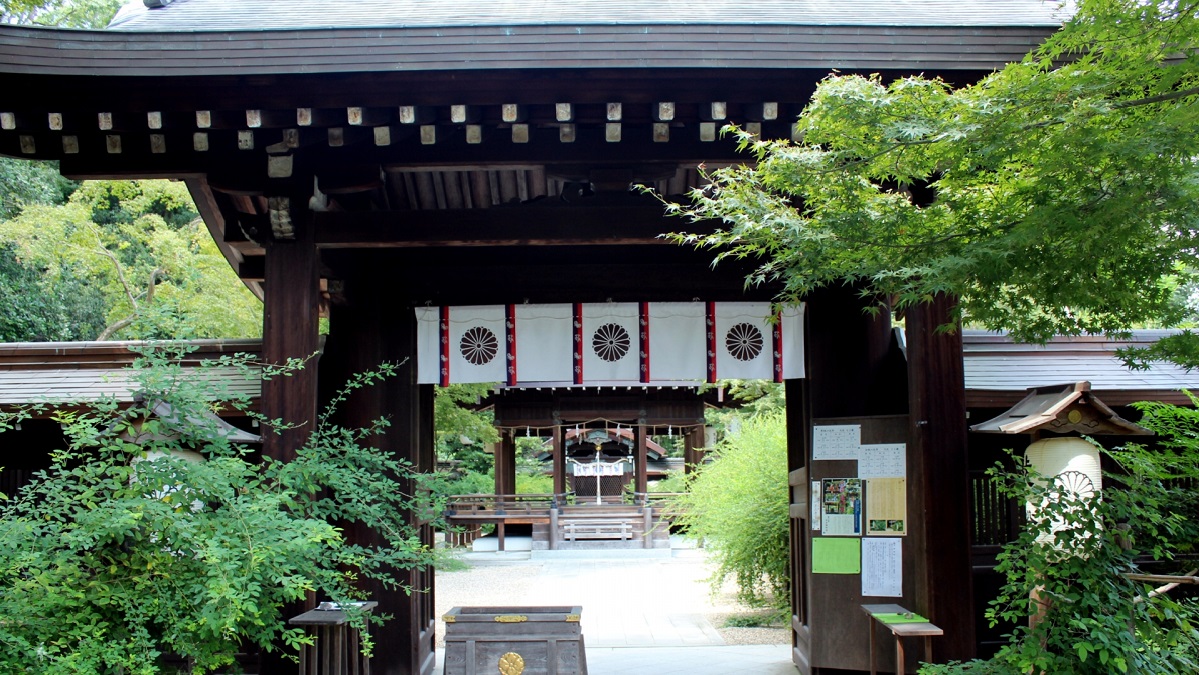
(886, 507)
(836, 555)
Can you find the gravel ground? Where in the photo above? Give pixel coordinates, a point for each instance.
(507, 583)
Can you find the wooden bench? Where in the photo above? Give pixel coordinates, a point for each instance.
(907, 625)
(597, 529)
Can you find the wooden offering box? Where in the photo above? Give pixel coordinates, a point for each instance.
(514, 641)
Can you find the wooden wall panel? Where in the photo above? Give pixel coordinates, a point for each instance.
(361, 337)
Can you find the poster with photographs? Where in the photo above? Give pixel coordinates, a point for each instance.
(841, 504)
(887, 507)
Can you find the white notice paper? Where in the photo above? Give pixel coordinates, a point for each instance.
(836, 441)
(882, 567)
(817, 505)
(888, 460)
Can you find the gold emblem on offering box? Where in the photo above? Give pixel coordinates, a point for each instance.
(511, 618)
(512, 664)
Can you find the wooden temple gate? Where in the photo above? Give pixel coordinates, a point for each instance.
(360, 173)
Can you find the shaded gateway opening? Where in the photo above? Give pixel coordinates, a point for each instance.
(598, 445)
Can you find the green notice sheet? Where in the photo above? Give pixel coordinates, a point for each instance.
(900, 618)
(836, 555)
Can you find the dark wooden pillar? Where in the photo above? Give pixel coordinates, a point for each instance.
(291, 294)
(693, 449)
(362, 335)
(559, 448)
(505, 465)
(641, 485)
(937, 434)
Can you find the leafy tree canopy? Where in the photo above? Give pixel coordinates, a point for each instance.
(454, 415)
(139, 244)
(1056, 196)
(62, 13)
(35, 311)
(27, 182)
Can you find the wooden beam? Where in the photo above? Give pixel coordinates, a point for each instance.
(252, 268)
(462, 114)
(423, 278)
(514, 112)
(497, 227)
(715, 111)
(357, 116)
(219, 152)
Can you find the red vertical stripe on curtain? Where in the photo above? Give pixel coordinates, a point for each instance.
(643, 310)
(710, 322)
(777, 333)
(510, 340)
(444, 329)
(578, 342)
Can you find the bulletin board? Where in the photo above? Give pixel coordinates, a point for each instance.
(861, 544)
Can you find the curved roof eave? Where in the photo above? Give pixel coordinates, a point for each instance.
(45, 51)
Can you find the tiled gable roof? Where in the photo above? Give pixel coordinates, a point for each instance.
(229, 15)
(994, 363)
(57, 372)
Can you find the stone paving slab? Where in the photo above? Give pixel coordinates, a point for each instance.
(640, 615)
(720, 660)
(710, 660)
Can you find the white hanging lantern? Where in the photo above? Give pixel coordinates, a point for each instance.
(1072, 464)
(1071, 460)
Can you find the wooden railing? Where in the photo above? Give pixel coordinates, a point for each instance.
(465, 513)
(661, 501)
(490, 506)
(996, 518)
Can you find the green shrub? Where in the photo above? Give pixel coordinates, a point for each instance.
(110, 558)
(462, 483)
(1069, 564)
(768, 620)
(675, 481)
(537, 483)
(738, 505)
